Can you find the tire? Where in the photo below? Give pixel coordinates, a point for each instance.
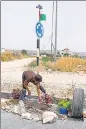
(78, 103)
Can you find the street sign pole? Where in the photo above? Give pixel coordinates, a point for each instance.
(39, 32)
(38, 45)
(38, 51)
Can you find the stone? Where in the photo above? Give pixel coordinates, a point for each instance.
(62, 117)
(48, 117)
(84, 113)
(26, 115)
(21, 107)
(3, 103)
(15, 109)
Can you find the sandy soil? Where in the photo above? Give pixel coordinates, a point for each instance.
(57, 83)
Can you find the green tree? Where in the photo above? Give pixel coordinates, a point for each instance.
(24, 52)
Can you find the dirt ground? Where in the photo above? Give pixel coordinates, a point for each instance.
(59, 84)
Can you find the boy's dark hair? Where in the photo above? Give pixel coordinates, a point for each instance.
(38, 78)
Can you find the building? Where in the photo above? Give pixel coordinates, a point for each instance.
(2, 50)
(66, 51)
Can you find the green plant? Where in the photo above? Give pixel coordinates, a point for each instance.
(64, 104)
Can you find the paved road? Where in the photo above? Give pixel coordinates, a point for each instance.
(11, 121)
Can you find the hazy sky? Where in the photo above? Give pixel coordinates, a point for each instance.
(18, 20)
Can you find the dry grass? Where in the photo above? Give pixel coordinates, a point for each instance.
(8, 56)
(68, 64)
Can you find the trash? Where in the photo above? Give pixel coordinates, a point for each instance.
(16, 93)
(48, 99)
(26, 115)
(49, 117)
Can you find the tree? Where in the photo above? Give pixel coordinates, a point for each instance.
(24, 52)
(66, 54)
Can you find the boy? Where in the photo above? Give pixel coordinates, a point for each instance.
(30, 76)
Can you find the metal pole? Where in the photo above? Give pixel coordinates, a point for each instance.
(38, 52)
(52, 29)
(56, 34)
(38, 45)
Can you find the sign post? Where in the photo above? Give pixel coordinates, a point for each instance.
(39, 33)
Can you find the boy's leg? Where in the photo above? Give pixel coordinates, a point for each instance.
(22, 94)
(23, 91)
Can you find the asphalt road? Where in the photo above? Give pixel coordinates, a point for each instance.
(11, 121)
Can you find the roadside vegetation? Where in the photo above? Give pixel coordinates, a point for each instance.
(9, 56)
(63, 64)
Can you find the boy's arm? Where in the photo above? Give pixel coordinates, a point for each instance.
(39, 93)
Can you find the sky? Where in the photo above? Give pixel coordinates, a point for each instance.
(19, 18)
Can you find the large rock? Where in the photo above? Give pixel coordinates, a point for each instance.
(21, 107)
(15, 109)
(49, 117)
(26, 115)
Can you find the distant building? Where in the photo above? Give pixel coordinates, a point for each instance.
(2, 50)
(66, 51)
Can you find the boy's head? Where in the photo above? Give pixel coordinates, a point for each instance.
(38, 79)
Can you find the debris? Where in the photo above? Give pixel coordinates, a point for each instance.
(49, 117)
(16, 93)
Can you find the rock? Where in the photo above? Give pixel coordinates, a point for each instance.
(21, 107)
(15, 109)
(3, 103)
(62, 117)
(26, 115)
(84, 113)
(48, 117)
(7, 108)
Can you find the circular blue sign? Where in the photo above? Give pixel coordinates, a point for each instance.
(39, 30)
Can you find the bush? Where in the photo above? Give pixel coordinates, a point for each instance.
(24, 52)
(66, 64)
(8, 56)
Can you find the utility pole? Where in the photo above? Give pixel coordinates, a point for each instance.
(52, 29)
(55, 35)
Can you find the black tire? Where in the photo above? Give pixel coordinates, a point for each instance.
(78, 103)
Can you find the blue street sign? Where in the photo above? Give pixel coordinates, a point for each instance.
(39, 30)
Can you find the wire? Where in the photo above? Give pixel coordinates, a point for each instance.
(48, 42)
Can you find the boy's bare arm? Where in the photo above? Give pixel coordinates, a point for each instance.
(38, 91)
